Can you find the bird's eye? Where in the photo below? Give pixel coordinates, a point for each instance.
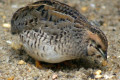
(99, 46)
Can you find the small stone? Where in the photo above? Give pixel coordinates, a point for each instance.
(109, 69)
(6, 25)
(98, 76)
(21, 62)
(9, 42)
(103, 7)
(108, 77)
(16, 46)
(54, 76)
(98, 72)
(84, 9)
(11, 78)
(105, 24)
(14, 6)
(118, 56)
(92, 5)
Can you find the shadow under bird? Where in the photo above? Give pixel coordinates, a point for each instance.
(53, 32)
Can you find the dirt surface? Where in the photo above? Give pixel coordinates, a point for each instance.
(17, 65)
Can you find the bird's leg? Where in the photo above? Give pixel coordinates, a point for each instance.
(38, 65)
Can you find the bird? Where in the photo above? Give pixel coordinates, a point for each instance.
(53, 32)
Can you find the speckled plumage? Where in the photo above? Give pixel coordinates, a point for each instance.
(54, 32)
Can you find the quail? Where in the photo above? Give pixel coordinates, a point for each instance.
(52, 32)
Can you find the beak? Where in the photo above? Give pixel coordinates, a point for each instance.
(103, 53)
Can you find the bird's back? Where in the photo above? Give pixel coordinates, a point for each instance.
(44, 11)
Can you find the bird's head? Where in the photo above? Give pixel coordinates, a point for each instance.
(97, 43)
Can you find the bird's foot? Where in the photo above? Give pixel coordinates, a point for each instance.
(38, 65)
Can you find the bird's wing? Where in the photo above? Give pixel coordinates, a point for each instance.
(43, 14)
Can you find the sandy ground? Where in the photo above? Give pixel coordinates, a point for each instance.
(103, 13)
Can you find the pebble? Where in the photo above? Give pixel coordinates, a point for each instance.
(6, 25)
(9, 42)
(103, 7)
(92, 5)
(21, 62)
(107, 76)
(98, 72)
(14, 6)
(118, 56)
(105, 24)
(11, 78)
(98, 76)
(84, 9)
(16, 46)
(54, 76)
